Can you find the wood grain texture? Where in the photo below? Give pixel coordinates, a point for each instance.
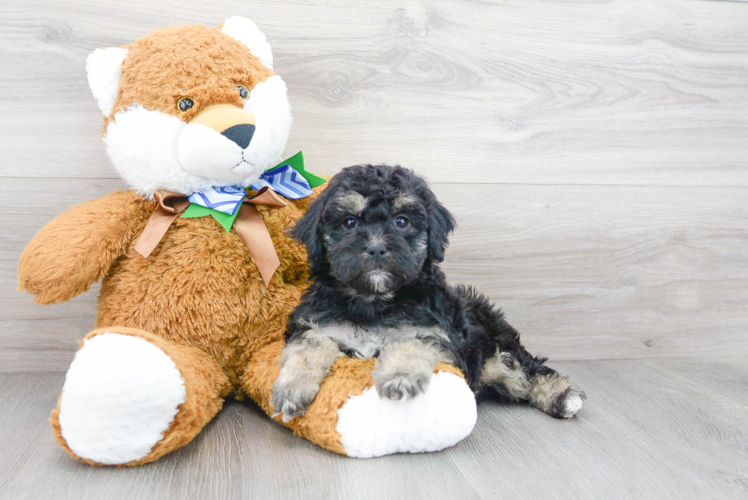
(608, 271)
(564, 92)
(651, 429)
(584, 272)
(594, 153)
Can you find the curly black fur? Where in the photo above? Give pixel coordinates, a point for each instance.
(413, 291)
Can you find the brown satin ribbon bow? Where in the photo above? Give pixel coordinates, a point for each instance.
(248, 225)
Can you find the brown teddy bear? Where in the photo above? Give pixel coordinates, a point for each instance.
(198, 272)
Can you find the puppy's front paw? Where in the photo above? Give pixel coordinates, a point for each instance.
(401, 385)
(292, 399)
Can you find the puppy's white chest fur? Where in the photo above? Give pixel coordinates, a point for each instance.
(366, 343)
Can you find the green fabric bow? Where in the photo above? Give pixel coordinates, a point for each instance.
(296, 162)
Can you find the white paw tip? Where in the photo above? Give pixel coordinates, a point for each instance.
(371, 426)
(572, 404)
(120, 394)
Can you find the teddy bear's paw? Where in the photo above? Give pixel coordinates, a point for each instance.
(121, 393)
(371, 426)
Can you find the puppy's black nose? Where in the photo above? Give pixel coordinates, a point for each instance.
(377, 251)
(240, 134)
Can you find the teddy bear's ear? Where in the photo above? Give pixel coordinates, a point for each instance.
(247, 32)
(104, 67)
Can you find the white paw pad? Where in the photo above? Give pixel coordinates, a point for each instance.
(372, 426)
(121, 393)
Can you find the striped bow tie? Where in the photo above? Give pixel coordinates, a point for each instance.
(225, 199)
(231, 207)
(284, 180)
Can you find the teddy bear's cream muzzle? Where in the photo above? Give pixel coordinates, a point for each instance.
(224, 142)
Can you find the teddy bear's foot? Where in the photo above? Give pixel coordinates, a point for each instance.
(349, 417)
(127, 398)
(121, 394)
(443, 415)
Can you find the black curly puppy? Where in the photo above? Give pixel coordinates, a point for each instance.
(375, 238)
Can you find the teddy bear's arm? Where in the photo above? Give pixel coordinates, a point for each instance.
(79, 246)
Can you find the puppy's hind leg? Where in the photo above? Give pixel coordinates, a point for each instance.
(555, 395)
(518, 376)
(510, 372)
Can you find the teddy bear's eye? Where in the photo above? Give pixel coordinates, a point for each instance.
(243, 91)
(184, 104)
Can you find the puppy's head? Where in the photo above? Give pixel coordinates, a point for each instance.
(374, 229)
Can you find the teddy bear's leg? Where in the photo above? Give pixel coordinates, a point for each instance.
(130, 397)
(349, 417)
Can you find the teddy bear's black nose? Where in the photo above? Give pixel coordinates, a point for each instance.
(240, 134)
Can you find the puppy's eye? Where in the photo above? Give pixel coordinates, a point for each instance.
(402, 222)
(184, 104)
(350, 223)
(243, 91)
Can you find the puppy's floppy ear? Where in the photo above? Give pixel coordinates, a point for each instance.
(308, 230)
(441, 223)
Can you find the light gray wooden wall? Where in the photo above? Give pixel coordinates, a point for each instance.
(595, 153)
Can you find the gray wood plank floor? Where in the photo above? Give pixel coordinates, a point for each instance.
(675, 428)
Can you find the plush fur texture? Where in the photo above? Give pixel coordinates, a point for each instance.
(370, 426)
(348, 379)
(144, 124)
(205, 383)
(247, 32)
(183, 297)
(182, 292)
(375, 239)
(109, 373)
(202, 63)
(198, 297)
(104, 69)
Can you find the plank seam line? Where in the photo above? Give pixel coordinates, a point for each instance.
(458, 183)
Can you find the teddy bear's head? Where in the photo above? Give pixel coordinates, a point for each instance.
(191, 107)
